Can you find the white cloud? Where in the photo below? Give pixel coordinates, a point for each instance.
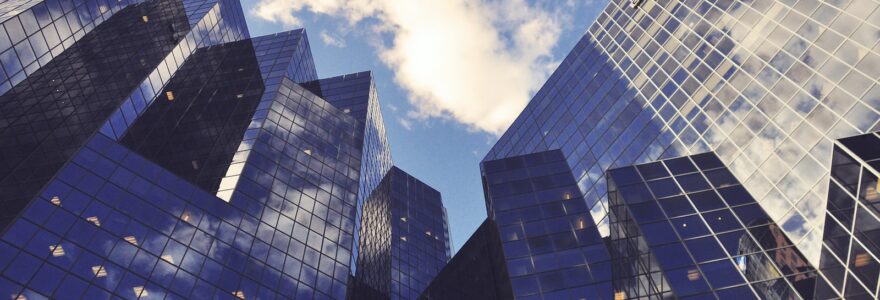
(475, 62)
(406, 123)
(332, 40)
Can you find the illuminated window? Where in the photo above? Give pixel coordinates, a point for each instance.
(140, 291)
(239, 96)
(145, 18)
(403, 219)
(186, 217)
(428, 233)
(18, 297)
(55, 200)
(238, 294)
(94, 220)
(871, 194)
(581, 224)
(308, 151)
(240, 69)
(168, 258)
(566, 196)
(99, 271)
(693, 275)
(619, 295)
(57, 250)
(170, 95)
(862, 260)
(346, 110)
(403, 238)
(131, 239)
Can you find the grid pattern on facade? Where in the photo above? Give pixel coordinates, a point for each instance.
(404, 239)
(32, 32)
(373, 252)
(212, 29)
(300, 160)
(685, 227)
(551, 247)
(114, 223)
(850, 251)
(197, 127)
(419, 235)
(47, 117)
(355, 94)
(767, 85)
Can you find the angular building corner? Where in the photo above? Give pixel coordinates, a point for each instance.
(404, 239)
(154, 149)
(772, 89)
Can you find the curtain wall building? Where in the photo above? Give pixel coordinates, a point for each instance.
(153, 149)
(767, 87)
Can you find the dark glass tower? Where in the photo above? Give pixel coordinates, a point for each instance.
(404, 239)
(685, 227)
(478, 270)
(551, 248)
(851, 244)
(162, 153)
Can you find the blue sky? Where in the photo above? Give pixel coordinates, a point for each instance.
(451, 74)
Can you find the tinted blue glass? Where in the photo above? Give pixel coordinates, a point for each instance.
(686, 250)
(662, 79)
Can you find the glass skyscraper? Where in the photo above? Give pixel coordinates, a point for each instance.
(767, 85)
(552, 249)
(404, 239)
(764, 86)
(153, 149)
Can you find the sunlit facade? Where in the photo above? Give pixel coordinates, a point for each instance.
(685, 227)
(850, 251)
(766, 85)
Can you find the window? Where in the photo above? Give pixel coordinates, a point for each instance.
(140, 291)
(57, 250)
(99, 271)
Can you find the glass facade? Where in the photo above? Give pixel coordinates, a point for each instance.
(404, 238)
(685, 227)
(355, 94)
(767, 85)
(551, 248)
(162, 153)
(205, 109)
(52, 112)
(850, 251)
